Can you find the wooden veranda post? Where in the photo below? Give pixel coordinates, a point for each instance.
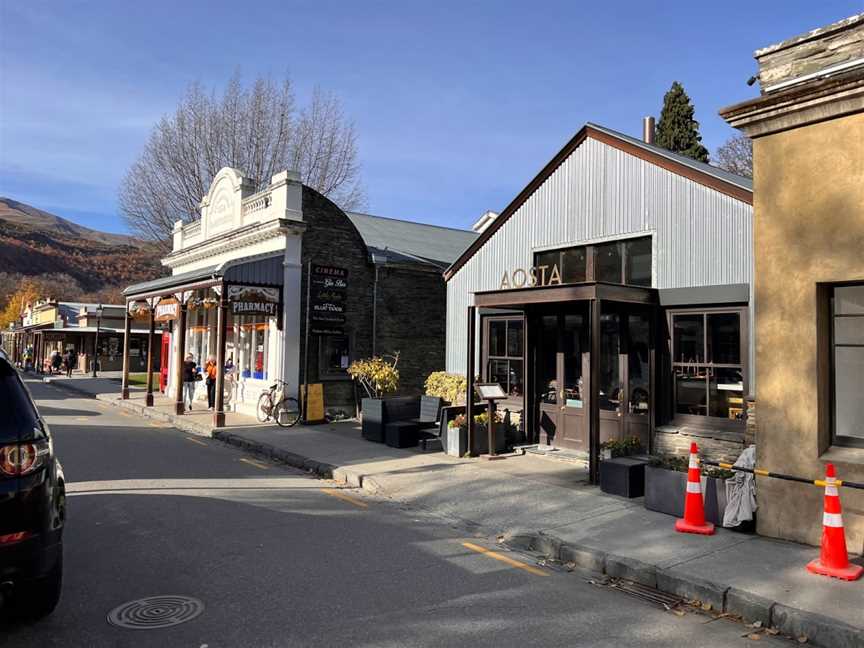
(149, 399)
(124, 390)
(180, 333)
(221, 321)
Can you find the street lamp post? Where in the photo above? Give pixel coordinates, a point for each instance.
(96, 339)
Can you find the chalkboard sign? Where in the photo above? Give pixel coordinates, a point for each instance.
(329, 292)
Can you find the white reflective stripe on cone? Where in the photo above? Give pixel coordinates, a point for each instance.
(694, 462)
(834, 520)
(694, 487)
(831, 491)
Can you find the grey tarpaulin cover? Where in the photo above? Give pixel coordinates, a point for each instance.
(741, 491)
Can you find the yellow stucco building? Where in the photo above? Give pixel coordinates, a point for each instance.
(807, 129)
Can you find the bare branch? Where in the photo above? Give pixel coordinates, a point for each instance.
(255, 129)
(736, 156)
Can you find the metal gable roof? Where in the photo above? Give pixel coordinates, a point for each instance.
(720, 174)
(717, 179)
(406, 241)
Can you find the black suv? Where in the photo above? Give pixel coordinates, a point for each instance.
(32, 504)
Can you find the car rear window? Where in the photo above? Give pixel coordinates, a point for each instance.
(18, 416)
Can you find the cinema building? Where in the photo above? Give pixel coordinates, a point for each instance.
(243, 274)
(612, 298)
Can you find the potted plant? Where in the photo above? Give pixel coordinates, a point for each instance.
(378, 377)
(449, 387)
(666, 484)
(625, 447)
(505, 433)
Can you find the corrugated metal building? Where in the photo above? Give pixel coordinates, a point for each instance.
(681, 234)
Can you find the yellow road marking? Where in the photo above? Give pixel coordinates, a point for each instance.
(81, 418)
(505, 559)
(198, 442)
(345, 498)
(257, 464)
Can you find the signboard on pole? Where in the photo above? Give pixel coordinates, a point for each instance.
(167, 310)
(328, 297)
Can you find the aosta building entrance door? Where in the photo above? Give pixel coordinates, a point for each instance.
(562, 365)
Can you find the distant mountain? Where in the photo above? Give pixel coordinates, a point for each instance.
(33, 218)
(35, 242)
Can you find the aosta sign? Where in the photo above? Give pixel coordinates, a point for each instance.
(543, 275)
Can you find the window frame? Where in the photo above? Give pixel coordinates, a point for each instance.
(835, 439)
(707, 420)
(324, 372)
(487, 357)
(591, 258)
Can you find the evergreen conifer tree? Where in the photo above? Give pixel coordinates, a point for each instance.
(677, 131)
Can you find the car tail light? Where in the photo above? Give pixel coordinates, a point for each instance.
(12, 538)
(23, 458)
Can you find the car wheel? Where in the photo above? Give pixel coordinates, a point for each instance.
(38, 598)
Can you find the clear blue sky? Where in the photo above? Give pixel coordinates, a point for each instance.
(457, 104)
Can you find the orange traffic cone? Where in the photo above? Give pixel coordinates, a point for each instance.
(833, 560)
(694, 507)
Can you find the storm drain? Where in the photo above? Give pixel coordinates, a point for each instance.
(155, 612)
(667, 601)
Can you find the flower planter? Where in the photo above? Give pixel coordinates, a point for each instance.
(373, 419)
(665, 491)
(623, 476)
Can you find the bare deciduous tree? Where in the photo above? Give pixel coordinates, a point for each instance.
(255, 129)
(736, 156)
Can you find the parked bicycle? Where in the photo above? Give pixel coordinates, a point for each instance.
(274, 404)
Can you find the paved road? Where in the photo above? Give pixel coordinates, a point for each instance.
(281, 559)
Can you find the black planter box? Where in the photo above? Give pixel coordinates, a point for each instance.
(401, 434)
(373, 419)
(665, 491)
(623, 476)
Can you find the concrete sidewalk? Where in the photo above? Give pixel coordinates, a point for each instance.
(545, 505)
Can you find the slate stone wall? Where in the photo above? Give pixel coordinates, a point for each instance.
(411, 306)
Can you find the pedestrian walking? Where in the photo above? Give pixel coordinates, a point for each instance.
(69, 361)
(210, 371)
(190, 377)
(56, 360)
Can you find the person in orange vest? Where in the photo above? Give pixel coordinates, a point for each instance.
(210, 372)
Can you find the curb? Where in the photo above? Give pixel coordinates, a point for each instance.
(820, 630)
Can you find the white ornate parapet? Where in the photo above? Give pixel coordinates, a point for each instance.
(232, 216)
(230, 204)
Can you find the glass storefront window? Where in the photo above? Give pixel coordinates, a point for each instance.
(504, 354)
(574, 262)
(638, 367)
(573, 383)
(688, 338)
(847, 340)
(334, 356)
(707, 354)
(724, 338)
(607, 262)
(638, 266)
(610, 373)
(547, 369)
(726, 394)
(627, 261)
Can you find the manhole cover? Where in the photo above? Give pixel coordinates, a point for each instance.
(155, 612)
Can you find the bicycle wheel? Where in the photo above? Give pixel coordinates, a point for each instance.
(265, 407)
(287, 412)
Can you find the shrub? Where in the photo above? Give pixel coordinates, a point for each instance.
(376, 375)
(449, 386)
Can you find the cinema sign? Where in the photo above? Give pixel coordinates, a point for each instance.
(541, 276)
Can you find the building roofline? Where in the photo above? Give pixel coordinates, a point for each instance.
(409, 222)
(734, 186)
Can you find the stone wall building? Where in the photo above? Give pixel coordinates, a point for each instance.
(243, 274)
(807, 128)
